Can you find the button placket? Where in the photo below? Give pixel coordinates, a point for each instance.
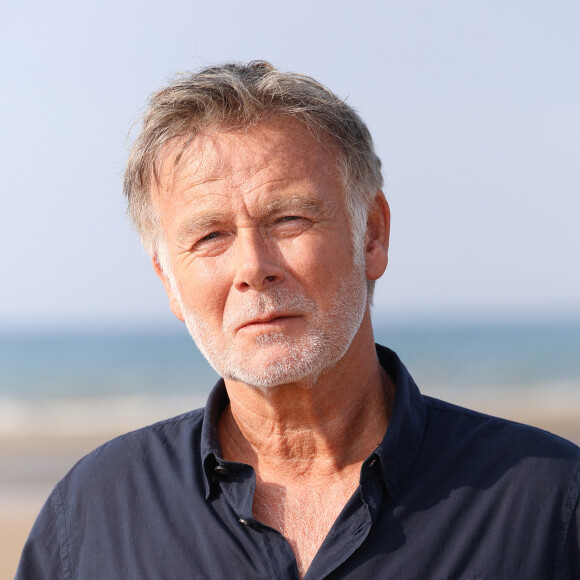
(276, 554)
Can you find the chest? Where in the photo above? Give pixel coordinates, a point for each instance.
(304, 515)
(442, 535)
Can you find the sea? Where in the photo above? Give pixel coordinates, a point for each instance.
(77, 382)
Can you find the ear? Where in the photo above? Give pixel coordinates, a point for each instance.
(173, 301)
(377, 242)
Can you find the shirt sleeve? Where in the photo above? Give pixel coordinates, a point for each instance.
(44, 556)
(574, 544)
(572, 551)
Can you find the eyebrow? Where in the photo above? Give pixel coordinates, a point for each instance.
(199, 222)
(295, 202)
(208, 219)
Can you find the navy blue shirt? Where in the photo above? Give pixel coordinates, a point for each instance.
(448, 494)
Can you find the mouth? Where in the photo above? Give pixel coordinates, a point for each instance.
(267, 322)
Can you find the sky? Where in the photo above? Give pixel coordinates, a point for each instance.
(473, 106)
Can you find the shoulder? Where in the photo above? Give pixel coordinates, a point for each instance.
(118, 482)
(170, 432)
(501, 443)
(175, 440)
(501, 486)
(455, 419)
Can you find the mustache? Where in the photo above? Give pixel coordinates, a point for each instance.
(268, 303)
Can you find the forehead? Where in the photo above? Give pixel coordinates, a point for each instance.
(266, 156)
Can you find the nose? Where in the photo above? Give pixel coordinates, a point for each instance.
(256, 262)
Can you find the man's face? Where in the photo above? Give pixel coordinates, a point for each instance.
(262, 264)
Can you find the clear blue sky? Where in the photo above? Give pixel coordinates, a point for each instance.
(474, 107)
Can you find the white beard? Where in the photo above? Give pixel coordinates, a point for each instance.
(276, 358)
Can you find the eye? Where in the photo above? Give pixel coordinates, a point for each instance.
(208, 238)
(211, 236)
(291, 225)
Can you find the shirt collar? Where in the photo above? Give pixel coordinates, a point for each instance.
(404, 435)
(396, 452)
(211, 453)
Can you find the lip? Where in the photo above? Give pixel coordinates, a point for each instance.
(265, 320)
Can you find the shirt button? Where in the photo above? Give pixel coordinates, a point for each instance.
(221, 470)
(247, 523)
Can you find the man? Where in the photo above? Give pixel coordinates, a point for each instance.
(257, 194)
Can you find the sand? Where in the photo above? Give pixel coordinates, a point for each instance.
(30, 465)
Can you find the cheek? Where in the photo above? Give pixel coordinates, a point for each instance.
(325, 255)
(320, 268)
(204, 287)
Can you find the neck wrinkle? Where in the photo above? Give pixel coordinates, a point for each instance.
(321, 431)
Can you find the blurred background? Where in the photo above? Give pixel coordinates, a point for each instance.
(474, 111)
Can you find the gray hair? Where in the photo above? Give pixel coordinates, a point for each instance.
(235, 96)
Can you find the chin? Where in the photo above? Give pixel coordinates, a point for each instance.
(274, 376)
(274, 361)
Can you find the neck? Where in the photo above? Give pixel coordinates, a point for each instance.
(297, 430)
